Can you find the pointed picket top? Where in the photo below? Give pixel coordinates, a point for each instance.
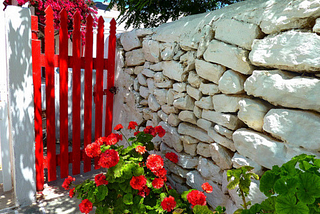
(89, 18)
(113, 26)
(49, 11)
(63, 19)
(100, 21)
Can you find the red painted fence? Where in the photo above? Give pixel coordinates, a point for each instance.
(49, 60)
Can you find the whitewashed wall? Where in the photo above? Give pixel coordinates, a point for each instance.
(232, 87)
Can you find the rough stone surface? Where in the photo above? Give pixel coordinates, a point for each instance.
(170, 97)
(144, 92)
(227, 120)
(288, 51)
(204, 124)
(230, 56)
(163, 116)
(197, 111)
(209, 89)
(252, 112)
(231, 82)
(316, 27)
(174, 168)
(161, 96)
(221, 140)
(209, 170)
(190, 149)
(207, 35)
(130, 41)
(203, 150)
(169, 50)
(205, 103)
(187, 60)
(223, 131)
(134, 58)
(177, 178)
(209, 71)
(194, 92)
(193, 131)
(174, 70)
(171, 138)
(226, 103)
(142, 79)
(150, 83)
(194, 79)
(156, 67)
(151, 50)
(147, 72)
(138, 69)
(221, 156)
(179, 87)
(239, 161)
(173, 120)
(187, 116)
(153, 104)
(144, 31)
(169, 109)
(283, 88)
(295, 127)
(238, 33)
(184, 103)
(260, 148)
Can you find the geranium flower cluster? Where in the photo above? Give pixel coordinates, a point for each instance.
(67, 182)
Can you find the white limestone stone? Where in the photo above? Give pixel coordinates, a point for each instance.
(170, 96)
(223, 131)
(153, 104)
(169, 109)
(136, 84)
(316, 27)
(197, 111)
(232, 82)
(179, 87)
(187, 60)
(194, 79)
(173, 120)
(227, 120)
(207, 35)
(288, 51)
(142, 79)
(283, 88)
(221, 139)
(221, 156)
(146, 65)
(171, 138)
(260, 148)
(190, 149)
(187, 116)
(163, 116)
(147, 114)
(159, 77)
(144, 92)
(138, 69)
(230, 56)
(178, 55)
(193, 131)
(237, 33)
(252, 112)
(177, 178)
(134, 57)
(189, 41)
(179, 187)
(129, 70)
(209, 89)
(156, 66)
(217, 198)
(184, 103)
(189, 140)
(239, 161)
(174, 168)
(194, 92)
(161, 96)
(130, 41)
(203, 150)
(155, 119)
(165, 84)
(151, 86)
(226, 103)
(295, 127)
(169, 50)
(204, 124)
(174, 70)
(148, 73)
(144, 102)
(151, 50)
(205, 103)
(209, 71)
(142, 32)
(179, 95)
(209, 170)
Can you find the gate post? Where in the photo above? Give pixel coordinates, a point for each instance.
(20, 102)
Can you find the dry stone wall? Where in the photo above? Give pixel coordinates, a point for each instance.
(233, 87)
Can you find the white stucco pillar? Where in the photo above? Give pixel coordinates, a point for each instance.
(20, 101)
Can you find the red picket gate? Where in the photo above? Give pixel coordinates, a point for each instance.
(49, 60)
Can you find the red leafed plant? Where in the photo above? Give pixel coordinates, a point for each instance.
(135, 181)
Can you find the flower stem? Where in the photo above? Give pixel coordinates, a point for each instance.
(125, 137)
(166, 187)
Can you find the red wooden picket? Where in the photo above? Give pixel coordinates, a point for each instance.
(36, 71)
(76, 95)
(110, 80)
(63, 65)
(50, 102)
(88, 91)
(99, 83)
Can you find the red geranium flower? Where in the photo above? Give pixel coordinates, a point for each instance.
(71, 192)
(137, 132)
(100, 179)
(67, 182)
(140, 149)
(109, 158)
(154, 162)
(207, 187)
(138, 182)
(101, 140)
(168, 203)
(132, 125)
(119, 136)
(157, 183)
(161, 173)
(118, 127)
(150, 130)
(161, 132)
(85, 206)
(172, 157)
(112, 139)
(93, 150)
(144, 192)
(195, 197)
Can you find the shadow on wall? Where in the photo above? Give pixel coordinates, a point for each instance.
(21, 103)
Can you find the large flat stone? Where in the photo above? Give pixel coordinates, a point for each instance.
(221, 139)
(221, 156)
(209, 170)
(130, 41)
(295, 127)
(184, 103)
(227, 120)
(230, 56)
(173, 70)
(288, 51)
(209, 71)
(231, 82)
(135, 57)
(284, 89)
(203, 150)
(151, 50)
(239, 161)
(172, 137)
(193, 131)
(226, 103)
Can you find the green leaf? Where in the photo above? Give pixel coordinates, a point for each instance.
(138, 171)
(288, 205)
(149, 146)
(267, 182)
(308, 188)
(185, 193)
(233, 184)
(144, 138)
(128, 199)
(101, 192)
(268, 205)
(198, 209)
(286, 186)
